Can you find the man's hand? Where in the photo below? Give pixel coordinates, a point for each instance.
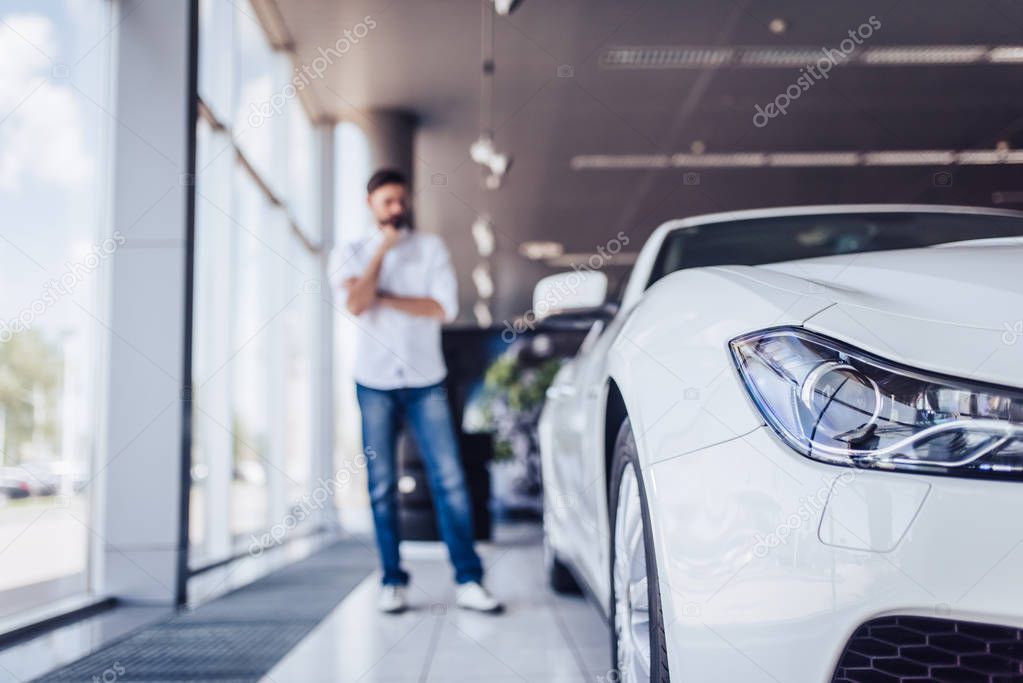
(392, 236)
(362, 291)
(361, 295)
(423, 306)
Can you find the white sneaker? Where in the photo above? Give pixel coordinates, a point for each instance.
(392, 599)
(473, 596)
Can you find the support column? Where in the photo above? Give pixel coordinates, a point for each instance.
(324, 418)
(143, 453)
(391, 136)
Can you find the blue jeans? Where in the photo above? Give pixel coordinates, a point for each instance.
(425, 410)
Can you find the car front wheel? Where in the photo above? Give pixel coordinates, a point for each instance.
(638, 645)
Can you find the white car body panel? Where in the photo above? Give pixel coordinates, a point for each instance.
(720, 481)
(734, 613)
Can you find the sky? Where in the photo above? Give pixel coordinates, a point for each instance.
(52, 141)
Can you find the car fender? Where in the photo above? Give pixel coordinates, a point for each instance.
(671, 360)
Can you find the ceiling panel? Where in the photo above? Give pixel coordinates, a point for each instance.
(424, 56)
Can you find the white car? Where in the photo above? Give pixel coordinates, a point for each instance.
(808, 467)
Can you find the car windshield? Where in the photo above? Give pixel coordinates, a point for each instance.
(752, 242)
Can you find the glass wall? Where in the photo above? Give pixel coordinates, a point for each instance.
(54, 140)
(353, 221)
(257, 293)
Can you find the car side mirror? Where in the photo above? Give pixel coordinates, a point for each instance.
(609, 309)
(580, 318)
(575, 290)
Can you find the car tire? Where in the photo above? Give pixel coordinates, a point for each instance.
(559, 576)
(628, 505)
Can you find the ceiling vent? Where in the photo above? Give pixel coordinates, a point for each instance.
(806, 159)
(701, 57)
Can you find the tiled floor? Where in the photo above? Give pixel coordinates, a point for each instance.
(540, 637)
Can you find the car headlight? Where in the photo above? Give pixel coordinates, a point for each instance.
(837, 404)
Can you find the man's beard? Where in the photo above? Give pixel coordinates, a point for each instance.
(398, 221)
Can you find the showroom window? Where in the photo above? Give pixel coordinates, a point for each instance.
(257, 293)
(54, 142)
(353, 221)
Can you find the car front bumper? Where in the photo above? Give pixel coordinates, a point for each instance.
(769, 561)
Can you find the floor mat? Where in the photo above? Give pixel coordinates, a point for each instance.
(237, 637)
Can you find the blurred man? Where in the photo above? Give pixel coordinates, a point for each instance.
(400, 285)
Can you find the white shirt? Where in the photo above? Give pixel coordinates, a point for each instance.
(395, 349)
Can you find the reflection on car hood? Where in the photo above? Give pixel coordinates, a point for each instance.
(954, 309)
(977, 284)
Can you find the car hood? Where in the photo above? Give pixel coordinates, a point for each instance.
(976, 284)
(955, 309)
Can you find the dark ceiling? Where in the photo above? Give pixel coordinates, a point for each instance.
(424, 56)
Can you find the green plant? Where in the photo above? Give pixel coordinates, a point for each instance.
(513, 396)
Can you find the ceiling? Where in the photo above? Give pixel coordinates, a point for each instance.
(424, 56)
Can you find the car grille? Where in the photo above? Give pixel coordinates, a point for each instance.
(903, 649)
